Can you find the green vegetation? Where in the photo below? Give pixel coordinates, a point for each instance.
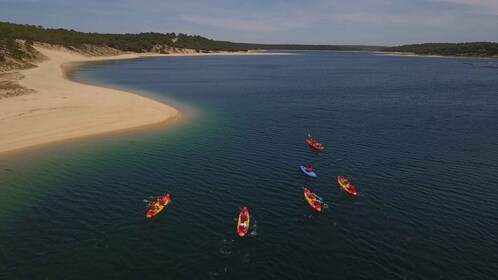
(483, 49)
(161, 42)
(10, 48)
(141, 42)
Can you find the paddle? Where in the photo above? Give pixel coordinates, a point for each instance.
(310, 138)
(148, 201)
(154, 197)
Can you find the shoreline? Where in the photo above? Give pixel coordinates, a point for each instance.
(62, 110)
(410, 54)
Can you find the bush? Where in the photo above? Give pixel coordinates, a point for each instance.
(17, 54)
(28, 44)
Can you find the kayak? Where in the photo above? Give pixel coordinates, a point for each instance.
(344, 183)
(243, 231)
(159, 207)
(311, 201)
(311, 174)
(315, 145)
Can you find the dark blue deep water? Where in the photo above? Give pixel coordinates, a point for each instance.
(418, 136)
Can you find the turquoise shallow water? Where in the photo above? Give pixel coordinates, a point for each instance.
(417, 135)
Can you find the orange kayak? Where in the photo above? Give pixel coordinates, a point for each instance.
(346, 185)
(159, 206)
(311, 198)
(243, 223)
(314, 144)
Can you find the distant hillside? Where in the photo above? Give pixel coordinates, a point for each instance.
(479, 49)
(310, 47)
(141, 42)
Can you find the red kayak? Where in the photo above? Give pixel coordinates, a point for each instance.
(159, 206)
(346, 185)
(243, 222)
(312, 200)
(315, 144)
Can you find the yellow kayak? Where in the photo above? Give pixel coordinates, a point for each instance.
(312, 200)
(243, 227)
(346, 185)
(158, 207)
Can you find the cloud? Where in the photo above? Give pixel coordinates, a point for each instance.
(20, 1)
(484, 7)
(443, 19)
(277, 21)
(252, 24)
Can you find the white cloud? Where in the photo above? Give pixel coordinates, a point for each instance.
(444, 19)
(253, 24)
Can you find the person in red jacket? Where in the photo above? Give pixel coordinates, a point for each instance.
(312, 196)
(242, 227)
(152, 206)
(243, 218)
(309, 169)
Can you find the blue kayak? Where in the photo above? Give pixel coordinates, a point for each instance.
(311, 174)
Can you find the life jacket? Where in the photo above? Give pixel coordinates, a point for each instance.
(243, 218)
(309, 169)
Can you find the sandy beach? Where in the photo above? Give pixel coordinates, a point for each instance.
(61, 109)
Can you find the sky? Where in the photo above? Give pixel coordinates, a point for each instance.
(336, 22)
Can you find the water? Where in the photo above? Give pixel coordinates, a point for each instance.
(418, 136)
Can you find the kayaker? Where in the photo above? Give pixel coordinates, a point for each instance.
(243, 218)
(309, 169)
(312, 195)
(351, 188)
(316, 203)
(161, 200)
(242, 226)
(152, 206)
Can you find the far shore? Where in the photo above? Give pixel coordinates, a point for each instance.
(61, 109)
(430, 55)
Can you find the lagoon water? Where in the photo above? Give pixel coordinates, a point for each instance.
(418, 136)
